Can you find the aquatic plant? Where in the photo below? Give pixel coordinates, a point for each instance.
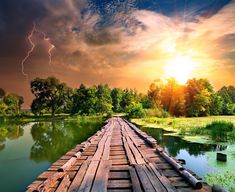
(224, 179)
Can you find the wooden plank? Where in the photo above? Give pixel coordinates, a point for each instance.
(134, 180)
(119, 162)
(46, 174)
(64, 185)
(100, 149)
(68, 164)
(89, 177)
(146, 183)
(107, 148)
(79, 177)
(119, 190)
(130, 156)
(170, 173)
(154, 179)
(112, 153)
(167, 184)
(138, 157)
(50, 182)
(117, 157)
(101, 178)
(119, 184)
(119, 175)
(120, 168)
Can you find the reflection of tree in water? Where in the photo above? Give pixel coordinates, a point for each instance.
(175, 144)
(11, 132)
(53, 139)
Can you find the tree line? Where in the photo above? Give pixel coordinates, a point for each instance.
(53, 96)
(196, 98)
(10, 103)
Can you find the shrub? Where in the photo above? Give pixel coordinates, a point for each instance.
(220, 130)
(157, 112)
(135, 111)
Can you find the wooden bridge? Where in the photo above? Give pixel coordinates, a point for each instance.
(118, 158)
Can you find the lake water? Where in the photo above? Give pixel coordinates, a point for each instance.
(201, 158)
(28, 149)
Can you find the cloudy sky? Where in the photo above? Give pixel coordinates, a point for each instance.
(125, 43)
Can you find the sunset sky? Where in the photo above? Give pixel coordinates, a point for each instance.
(123, 43)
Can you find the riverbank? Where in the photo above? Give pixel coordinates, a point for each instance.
(191, 129)
(44, 117)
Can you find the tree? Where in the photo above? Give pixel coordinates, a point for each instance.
(84, 100)
(79, 99)
(145, 101)
(154, 93)
(128, 98)
(201, 104)
(228, 96)
(116, 95)
(38, 107)
(50, 94)
(14, 103)
(198, 91)
(216, 106)
(104, 99)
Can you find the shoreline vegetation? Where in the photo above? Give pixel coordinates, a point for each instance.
(213, 129)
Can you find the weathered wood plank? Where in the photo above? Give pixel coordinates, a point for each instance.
(119, 175)
(79, 177)
(119, 184)
(107, 148)
(64, 185)
(89, 176)
(146, 183)
(101, 178)
(134, 180)
(130, 155)
(154, 179)
(167, 184)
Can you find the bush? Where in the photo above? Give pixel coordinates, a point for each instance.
(157, 112)
(220, 130)
(135, 111)
(220, 126)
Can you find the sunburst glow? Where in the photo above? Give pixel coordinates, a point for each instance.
(180, 68)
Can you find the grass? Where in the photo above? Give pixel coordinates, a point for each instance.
(213, 128)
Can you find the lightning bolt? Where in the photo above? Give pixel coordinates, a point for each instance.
(45, 38)
(48, 40)
(29, 52)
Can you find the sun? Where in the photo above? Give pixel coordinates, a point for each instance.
(180, 68)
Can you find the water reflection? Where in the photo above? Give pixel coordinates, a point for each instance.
(10, 132)
(174, 144)
(52, 139)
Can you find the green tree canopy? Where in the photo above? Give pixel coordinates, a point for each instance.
(49, 94)
(116, 95)
(14, 102)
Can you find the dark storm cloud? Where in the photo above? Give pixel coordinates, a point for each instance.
(18, 15)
